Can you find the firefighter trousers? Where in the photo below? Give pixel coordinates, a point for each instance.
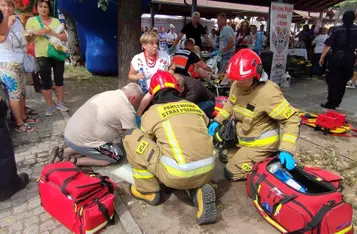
(241, 161)
(145, 156)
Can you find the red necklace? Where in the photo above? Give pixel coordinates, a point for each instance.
(150, 62)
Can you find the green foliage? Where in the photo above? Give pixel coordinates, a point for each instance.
(352, 4)
(103, 4)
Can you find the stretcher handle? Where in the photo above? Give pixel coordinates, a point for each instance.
(60, 169)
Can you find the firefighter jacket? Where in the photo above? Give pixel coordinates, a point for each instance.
(180, 131)
(260, 113)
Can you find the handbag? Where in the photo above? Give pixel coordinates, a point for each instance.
(29, 63)
(52, 52)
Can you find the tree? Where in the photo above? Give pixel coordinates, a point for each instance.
(73, 42)
(129, 23)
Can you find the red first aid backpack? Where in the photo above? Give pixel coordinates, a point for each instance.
(321, 210)
(82, 202)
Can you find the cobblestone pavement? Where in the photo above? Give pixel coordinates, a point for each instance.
(23, 213)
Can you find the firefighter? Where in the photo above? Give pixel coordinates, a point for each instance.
(173, 148)
(260, 110)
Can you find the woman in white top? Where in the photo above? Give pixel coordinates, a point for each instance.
(146, 64)
(12, 50)
(319, 43)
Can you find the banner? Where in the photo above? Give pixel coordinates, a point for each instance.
(280, 21)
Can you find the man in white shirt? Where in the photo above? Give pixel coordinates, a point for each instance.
(91, 131)
(319, 43)
(171, 37)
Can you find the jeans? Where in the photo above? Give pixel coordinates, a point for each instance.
(207, 107)
(225, 59)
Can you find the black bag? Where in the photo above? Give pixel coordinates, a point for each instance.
(226, 136)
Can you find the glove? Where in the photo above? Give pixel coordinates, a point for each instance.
(212, 128)
(171, 49)
(287, 159)
(138, 120)
(214, 53)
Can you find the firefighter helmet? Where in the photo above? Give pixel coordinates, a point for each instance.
(245, 64)
(162, 80)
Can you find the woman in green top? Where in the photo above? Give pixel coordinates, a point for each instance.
(42, 33)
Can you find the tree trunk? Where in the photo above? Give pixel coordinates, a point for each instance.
(129, 23)
(73, 42)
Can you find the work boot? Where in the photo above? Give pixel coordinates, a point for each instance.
(223, 156)
(150, 198)
(24, 180)
(204, 198)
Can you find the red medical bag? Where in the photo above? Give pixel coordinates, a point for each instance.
(82, 202)
(321, 210)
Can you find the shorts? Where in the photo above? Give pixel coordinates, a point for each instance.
(108, 152)
(13, 77)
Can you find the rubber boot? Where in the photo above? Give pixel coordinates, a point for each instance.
(204, 198)
(150, 198)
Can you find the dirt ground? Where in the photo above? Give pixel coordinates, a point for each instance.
(236, 211)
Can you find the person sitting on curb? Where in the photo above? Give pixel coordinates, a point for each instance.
(169, 150)
(260, 110)
(187, 63)
(91, 131)
(194, 91)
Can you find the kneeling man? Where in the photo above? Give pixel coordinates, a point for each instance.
(90, 132)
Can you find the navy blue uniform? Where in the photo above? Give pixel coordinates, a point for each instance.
(343, 43)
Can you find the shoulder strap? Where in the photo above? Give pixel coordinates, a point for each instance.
(40, 22)
(17, 38)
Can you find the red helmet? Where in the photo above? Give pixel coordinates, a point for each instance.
(162, 80)
(245, 64)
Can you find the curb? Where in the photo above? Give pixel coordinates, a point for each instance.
(129, 224)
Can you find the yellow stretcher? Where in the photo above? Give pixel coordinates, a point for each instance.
(309, 119)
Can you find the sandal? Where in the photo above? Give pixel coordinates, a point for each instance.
(29, 111)
(53, 155)
(31, 120)
(24, 128)
(73, 160)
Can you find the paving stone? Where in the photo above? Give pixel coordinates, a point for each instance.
(4, 205)
(21, 208)
(31, 195)
(7, 221)
(45, 217)
(15, 227)
(38, 210)
(33, 229)
(5, 213)
(33, 203)
(29, 161)
(4, 230)
(47, 226)
(61, 230)
(34, 220)
(18, 200)
(24, 215)
(19, 194)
